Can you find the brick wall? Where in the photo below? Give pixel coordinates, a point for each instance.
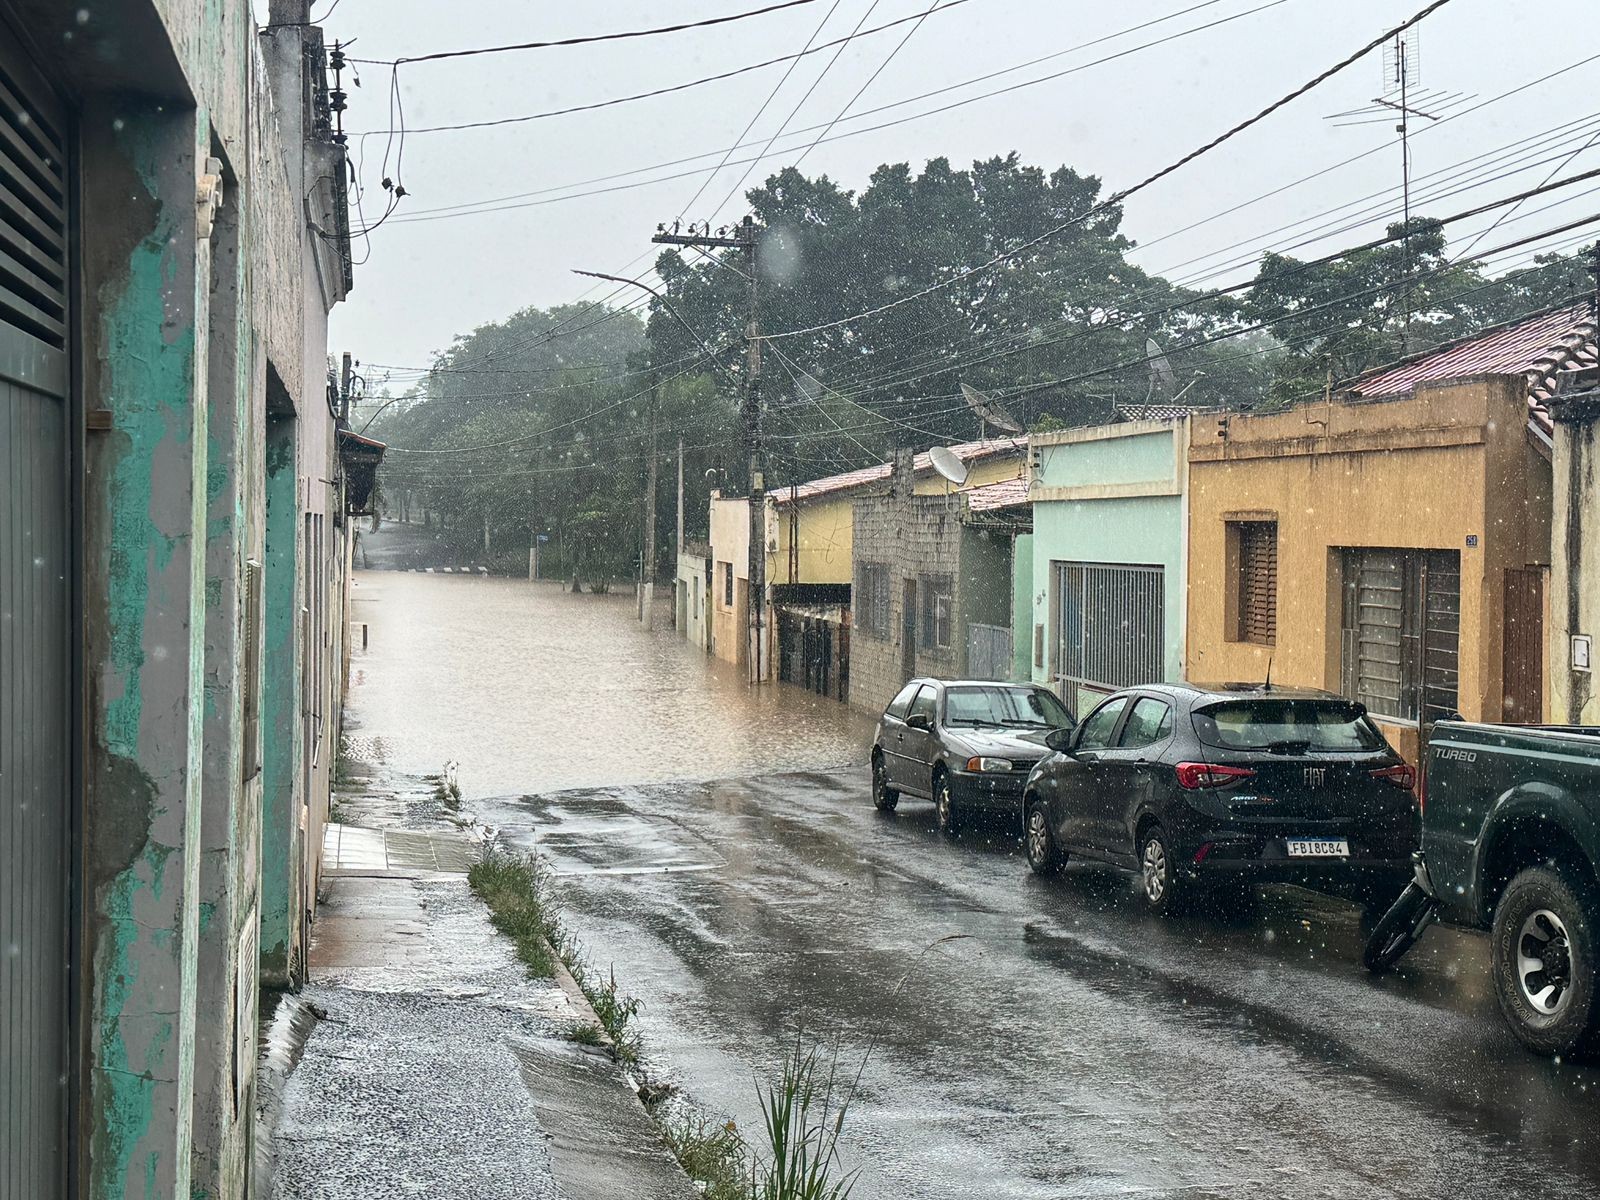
(914, 537)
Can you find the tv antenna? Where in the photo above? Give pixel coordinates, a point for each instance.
(1162, 378)
(989, 413)
(1161, 398)
(1403, 96)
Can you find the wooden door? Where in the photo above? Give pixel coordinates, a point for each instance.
(1522, 645)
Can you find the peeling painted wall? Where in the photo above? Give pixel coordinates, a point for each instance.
(182, 855)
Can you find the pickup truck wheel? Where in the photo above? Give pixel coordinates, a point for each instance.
(1398, 929)
(884, 797)
(1545, 962)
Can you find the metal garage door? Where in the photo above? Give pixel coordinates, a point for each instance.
(35, 632)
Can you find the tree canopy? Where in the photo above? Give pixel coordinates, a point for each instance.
(878, 306)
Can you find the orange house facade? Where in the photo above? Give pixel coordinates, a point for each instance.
(1392, 542)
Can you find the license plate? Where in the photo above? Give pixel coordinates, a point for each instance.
(1319, 847)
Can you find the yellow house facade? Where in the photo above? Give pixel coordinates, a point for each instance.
(729, 607)
(1393, 551)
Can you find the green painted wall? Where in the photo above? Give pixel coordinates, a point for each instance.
(1022, 607)
(280, 715)
(145, 508)
(1144, 530)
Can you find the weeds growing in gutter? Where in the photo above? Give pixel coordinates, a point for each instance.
(615, 1010)
(516, 887)
(713, 1155)
(803, 1113)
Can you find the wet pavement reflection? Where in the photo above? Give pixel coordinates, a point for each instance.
(1062, 1043)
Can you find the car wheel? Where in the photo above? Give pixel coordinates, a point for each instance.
(1397, 930)
(1044, 856)
(884, 797)
(944, 805)
(1158, 879)
(1545, 963)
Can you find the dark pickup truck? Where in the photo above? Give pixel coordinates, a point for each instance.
(1511, 844)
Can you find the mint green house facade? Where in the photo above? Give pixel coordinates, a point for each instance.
(1109, 557)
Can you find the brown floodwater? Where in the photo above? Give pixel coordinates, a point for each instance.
(530, 689)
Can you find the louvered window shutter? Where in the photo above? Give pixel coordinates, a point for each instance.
(1258, 571)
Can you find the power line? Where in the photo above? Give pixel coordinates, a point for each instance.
(794, 112)
(1165, 281)
(851, 103)
(1325, 305)
(1554, 171)
(585, 40)
(1117, 197)
(516, 441)
(771, 96)
(450, 209)
(692, 83)
(409, 476)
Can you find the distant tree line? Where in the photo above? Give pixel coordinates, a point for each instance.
(549, 411)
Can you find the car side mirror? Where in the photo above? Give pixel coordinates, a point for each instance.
(920, 721)
(1061, 740)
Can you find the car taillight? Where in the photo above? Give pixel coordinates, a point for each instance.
(1194, 775)
(1403, 776)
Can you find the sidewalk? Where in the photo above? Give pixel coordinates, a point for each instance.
(433, 1066)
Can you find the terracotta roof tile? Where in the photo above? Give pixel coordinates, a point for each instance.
(1004, 493)
(1537, 348)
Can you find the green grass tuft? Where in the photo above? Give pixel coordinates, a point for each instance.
(586, 1033)
(712, 1155)
(515, 890)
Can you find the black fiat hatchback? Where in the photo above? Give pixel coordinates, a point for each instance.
(1214, 789)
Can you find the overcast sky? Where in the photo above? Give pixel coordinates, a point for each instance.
(430, 276)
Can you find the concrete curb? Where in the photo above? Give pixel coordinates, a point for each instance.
(574, 993)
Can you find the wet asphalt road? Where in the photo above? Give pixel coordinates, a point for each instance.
(1064, 1044)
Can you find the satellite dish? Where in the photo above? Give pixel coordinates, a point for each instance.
(947, 464)
(989, 413)
(1162, 378)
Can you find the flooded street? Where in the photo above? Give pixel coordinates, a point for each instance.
(528, 686)
(1022, 1037)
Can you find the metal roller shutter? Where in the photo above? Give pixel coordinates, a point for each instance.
(35, 630)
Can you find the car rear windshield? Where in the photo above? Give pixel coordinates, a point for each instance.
(1286, 726)
(1022, 707)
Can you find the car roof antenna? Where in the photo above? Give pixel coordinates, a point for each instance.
(1266, 685)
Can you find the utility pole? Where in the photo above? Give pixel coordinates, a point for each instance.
(647, 571)
(743, 237)
(677, 546)
(344, 389)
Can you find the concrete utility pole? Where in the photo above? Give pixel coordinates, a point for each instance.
(647, 570)
(744, 237)
(677, 546)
